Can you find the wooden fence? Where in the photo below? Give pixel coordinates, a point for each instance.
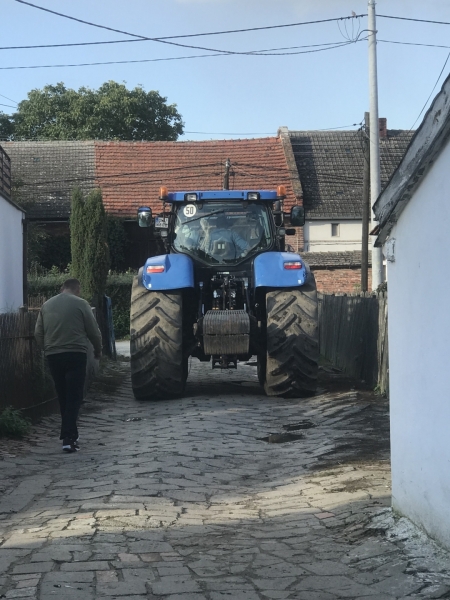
(24, 379)
(354, 336)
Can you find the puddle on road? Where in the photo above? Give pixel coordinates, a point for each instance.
(305, 424)
(281, 438)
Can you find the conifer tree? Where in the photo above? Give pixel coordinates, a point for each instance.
(96, 252)
(77, 233)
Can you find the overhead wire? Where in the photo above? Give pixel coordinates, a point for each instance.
(410, 19)
(10, 99)
(119, 62)
(171, 37)
(434, 87)
(153, 39)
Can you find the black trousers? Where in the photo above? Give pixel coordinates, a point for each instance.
(68, 370)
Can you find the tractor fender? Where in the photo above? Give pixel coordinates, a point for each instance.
(177, 272)
(270, 270)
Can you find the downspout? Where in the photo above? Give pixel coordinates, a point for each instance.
(25, 260)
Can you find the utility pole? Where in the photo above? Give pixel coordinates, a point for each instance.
(375, 178)
(226, 176)
(365, 206)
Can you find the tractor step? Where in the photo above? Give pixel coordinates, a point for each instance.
(226, 332)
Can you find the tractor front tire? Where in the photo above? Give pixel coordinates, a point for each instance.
(158, 368)
(292, 342)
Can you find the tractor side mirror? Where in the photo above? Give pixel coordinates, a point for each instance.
(144, 216)
(297, 216)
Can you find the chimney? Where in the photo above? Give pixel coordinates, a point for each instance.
(382, 127)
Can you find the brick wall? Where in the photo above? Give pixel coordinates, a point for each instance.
(346, 280)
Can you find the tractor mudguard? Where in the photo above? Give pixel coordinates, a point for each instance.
(168, 272)
(280, 269)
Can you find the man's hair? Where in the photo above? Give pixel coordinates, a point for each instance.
(71, 284)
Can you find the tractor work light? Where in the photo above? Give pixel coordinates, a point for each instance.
(156, 269)
(253, 196)
(191, 197)
(293, 265)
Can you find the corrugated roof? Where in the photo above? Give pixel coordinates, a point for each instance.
(45, 173)
(330, 166)
(131, 173)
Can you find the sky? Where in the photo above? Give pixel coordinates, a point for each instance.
(236, 96)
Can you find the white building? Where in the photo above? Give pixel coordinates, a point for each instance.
(11, 243)
(414, 218)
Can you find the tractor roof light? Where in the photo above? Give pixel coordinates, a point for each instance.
(293, 265)
(281, 191)
(163, 192)
(253, 196)
(191, 197)
(155, 269)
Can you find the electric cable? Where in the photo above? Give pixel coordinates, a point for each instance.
(412, 44)
(171, 37)
(1, 104)
(8, 98)
(434, 87)
(120, 62)
(410, 19)
(153, 39)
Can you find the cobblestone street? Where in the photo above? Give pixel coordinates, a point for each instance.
(198, 499)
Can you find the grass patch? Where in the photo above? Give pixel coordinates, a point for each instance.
(13, 423)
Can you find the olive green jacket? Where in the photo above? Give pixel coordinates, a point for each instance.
(65, 324)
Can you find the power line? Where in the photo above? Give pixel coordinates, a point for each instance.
(153, 39)
(410, 19)
(8, 98)
(148, 60)
(172, 37)
(434, 87)
(413, 44)
(7, 105)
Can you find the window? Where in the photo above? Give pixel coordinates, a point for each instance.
(334, 229)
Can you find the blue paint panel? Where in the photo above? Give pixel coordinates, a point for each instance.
(178, 272)
(266, 195)
(270, 271)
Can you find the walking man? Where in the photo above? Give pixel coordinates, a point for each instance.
(64, 326)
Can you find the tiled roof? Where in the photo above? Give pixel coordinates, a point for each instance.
(330, 166)
(45, 173)
(326, 260)
(131, 173)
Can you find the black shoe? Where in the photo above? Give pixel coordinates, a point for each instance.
(69, 446)
(76, 444)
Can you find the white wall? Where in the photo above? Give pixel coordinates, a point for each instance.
(419, 355)
(11, 252)
(318, 236)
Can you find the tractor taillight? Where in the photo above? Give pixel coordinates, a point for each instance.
(293, 265)
(155, 269)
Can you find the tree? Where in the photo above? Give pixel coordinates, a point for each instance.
(6, 126)
(110, 113)
(77, 233)
(96, 252)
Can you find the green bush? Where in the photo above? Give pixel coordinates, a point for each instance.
(118, 288)
(13, 423)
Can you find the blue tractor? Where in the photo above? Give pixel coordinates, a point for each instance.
(224, 290)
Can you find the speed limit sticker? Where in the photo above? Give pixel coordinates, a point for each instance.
(189, 210)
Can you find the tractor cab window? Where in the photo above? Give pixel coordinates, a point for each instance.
(221, 233)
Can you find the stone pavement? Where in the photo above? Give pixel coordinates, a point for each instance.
(197, 499)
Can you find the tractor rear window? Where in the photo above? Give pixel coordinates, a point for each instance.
(221, 233)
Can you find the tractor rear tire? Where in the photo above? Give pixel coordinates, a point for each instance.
(292, 342)
(158, 368)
